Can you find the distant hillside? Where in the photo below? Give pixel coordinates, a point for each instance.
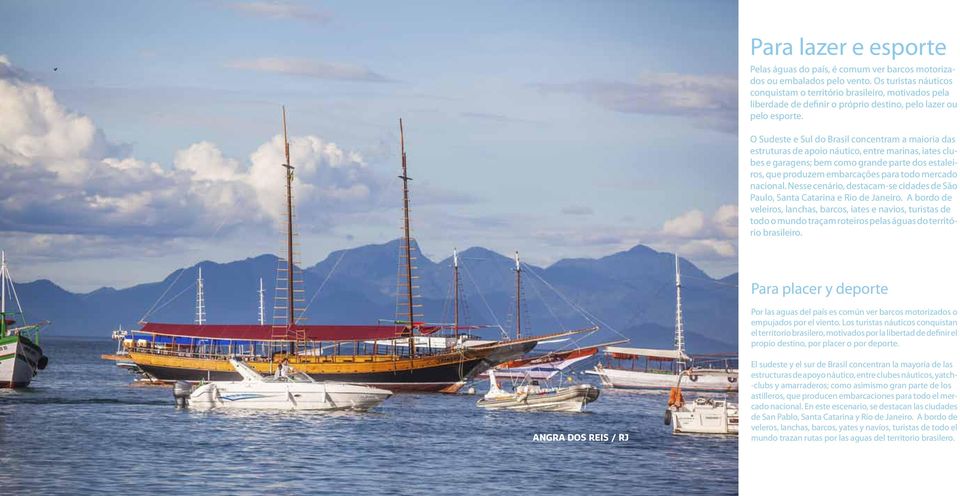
(631, 291)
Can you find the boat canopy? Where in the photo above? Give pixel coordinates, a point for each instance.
(628, 353)
(254, 332)
(552, 357)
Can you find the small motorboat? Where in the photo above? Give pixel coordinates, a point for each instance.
(288, 390)
(704, 415)
(532, 397)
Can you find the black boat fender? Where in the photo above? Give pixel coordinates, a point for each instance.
(42, 363)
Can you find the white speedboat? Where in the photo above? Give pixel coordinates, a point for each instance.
(704, 415)
(532, 397)
(289, 391)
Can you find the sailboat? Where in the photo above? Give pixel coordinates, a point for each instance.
(20, 353)
(389, 355)
(528, 394)
(658, 369)
(543, 366)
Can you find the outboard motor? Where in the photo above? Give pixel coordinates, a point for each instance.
(181, 393)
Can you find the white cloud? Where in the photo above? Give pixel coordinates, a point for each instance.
(309, 68)
(60, 176)
(344, 175)
(205, 162)
(686, 225)
(696, 235)
(725, 221)
(34, 128)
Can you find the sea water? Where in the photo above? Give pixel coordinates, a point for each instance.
(82, 428)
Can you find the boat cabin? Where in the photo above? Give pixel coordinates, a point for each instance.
(645, 360)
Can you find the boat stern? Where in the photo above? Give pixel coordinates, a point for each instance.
(20, 359)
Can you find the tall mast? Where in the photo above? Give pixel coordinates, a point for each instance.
(406, 236)
(3, 294)
(200, 312)
(286, 164)
(517, 258)
(3, 282)
(290, 293)
(678, 339)
(456, 294)
(260, 293)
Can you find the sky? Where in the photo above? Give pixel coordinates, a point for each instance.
(140, 137)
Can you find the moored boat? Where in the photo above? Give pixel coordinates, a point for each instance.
(122, 358)
(656, 370)
(659, 369)
(405, 355)
(288, 390)
(543, 367)
(703, 415)
(356, 354)
(532, 397)
(20, 353)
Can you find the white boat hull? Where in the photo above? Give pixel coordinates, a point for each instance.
(706, 417)
(640, 380)
(247, 395)
(568, 399)
(18, 362)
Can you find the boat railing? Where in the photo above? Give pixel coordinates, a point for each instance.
(301, 358)
(353, 351)
(174, 352)
(350, 351)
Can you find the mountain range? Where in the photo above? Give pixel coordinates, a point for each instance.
(630, 293)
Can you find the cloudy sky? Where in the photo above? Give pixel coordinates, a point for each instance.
(138, 137)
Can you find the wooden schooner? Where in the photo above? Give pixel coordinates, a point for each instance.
(399, 356)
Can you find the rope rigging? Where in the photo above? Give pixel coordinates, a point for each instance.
(322, 284)
(593, 319)
(503, 331)
(179, 273)
(171, 300)
(8, 280)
